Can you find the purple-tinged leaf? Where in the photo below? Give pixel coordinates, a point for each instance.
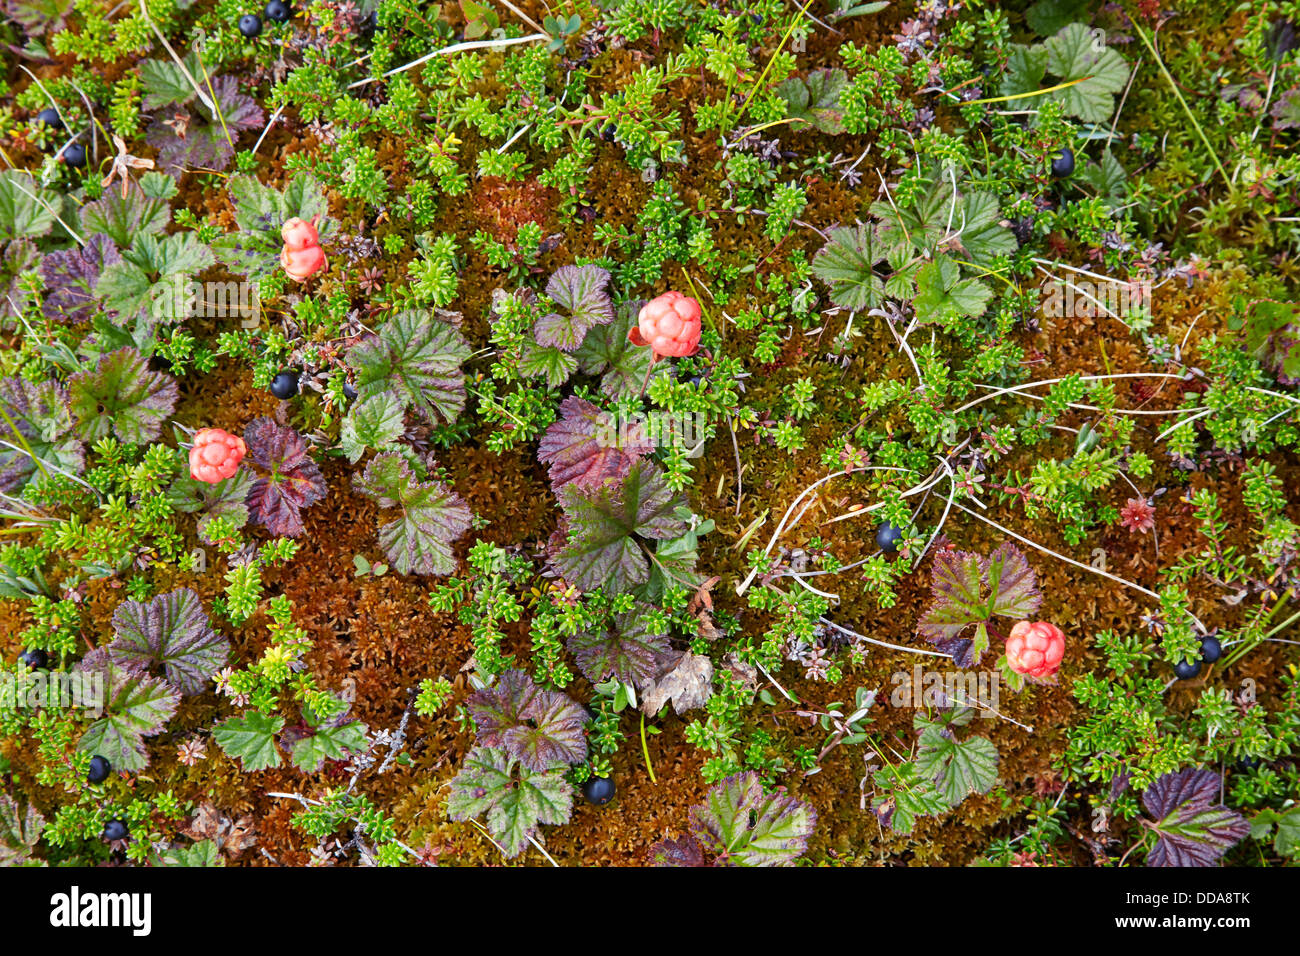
(19, 257)
(741, 825)
(1193, 828)
(19, 832)
(39, 410)
(605, 526)
(585, 446)
(418, 359)
(122, 397)
(969, 589)
(135, 706)
(70, 276)
(515, 799)
(293, 481)
(196, 138)
(1012, 583)
(627, 650)
(171, 633)
(433, 516)
(684, 851)
(580, 290)
(540, 728)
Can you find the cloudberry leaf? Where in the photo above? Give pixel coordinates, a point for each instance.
(136, 706)
(605, 528)
(742, 825)
(1193, 827)
(70, 277)
(540, 728)
(607, 352)
(121, 218)
(39, 412)
(418, 359)
(581, 292)
(969, 589)
(374, 423)
(584, 446)
(432, 516)
(122, 397)
(955, 768)
(684, 851)
(293, 481)
(19, 832)
(515, 800)
(328, 743)
(171, 633)
(626, 650)
(847, 263)
(206, 139)
(251, 738)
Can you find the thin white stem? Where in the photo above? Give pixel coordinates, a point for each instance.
(266, 129)
(784, 693)
(1015, 389)
(780, 528)
(871, 640)
(1186, 421)
(447, 51)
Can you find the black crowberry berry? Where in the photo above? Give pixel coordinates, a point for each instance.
(1211, 650)
(278, 11)
(1186, 670)
(99, 770)
(349, 392)
(598, 790)
(887, 537)
(115, 830)
(1063, 165)
(1023, 229)
(50, 117)
(34, 659)
(75, 155)
(285, 385)
(250, 25)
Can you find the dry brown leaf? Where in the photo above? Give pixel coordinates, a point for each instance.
(688, 683)
(230, 837)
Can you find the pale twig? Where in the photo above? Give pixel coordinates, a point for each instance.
(447, 50)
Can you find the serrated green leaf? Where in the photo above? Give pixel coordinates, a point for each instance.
(957, 768)
(515, 800)
(846, 263)
(418, 359)
(25, 208)
(371, 424)
(432, 516)
(136, 706)
(251, 738)
(743, 825)
(604, 526)
(329, 743)
(121, 396)
(942, 296)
